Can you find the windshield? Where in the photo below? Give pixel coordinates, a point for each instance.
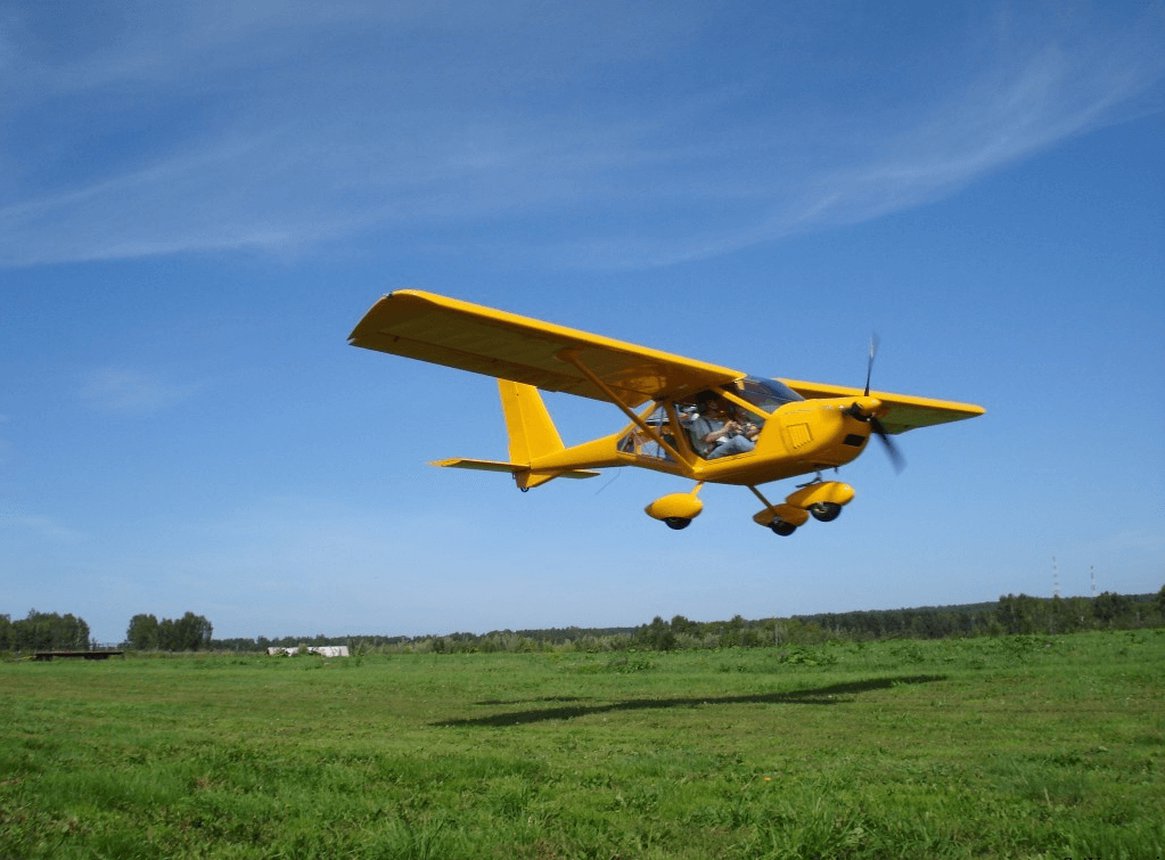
(767, 394)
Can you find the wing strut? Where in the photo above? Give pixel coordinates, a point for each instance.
(570, 356)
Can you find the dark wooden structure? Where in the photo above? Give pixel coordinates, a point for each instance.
(77, 655)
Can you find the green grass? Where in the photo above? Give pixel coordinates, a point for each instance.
(1015, 747)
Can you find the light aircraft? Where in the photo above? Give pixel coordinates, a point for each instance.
(688, 418)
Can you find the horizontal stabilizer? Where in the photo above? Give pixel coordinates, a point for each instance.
(512, 468)
(480, 465)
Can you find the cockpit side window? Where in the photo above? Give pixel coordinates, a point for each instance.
(641, 444)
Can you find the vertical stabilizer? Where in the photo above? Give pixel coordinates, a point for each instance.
(532, 433)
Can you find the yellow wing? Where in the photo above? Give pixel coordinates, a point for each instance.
(902, 412)
(483, 340)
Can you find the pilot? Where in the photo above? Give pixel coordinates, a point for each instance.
(715, 433)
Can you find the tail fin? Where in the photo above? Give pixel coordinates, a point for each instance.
(532, 432)
(532, 435)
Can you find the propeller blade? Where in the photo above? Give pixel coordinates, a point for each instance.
(896, 458)
(870, 362)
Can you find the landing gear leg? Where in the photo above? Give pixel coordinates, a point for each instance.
(782, 520)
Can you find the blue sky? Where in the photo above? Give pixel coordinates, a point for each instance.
(199, 201)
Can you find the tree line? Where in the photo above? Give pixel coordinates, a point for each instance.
(44, 631)
(51, 631)
(1010, 615)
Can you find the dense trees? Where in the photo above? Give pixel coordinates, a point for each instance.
(44, 631)
(142, 634)
(189, 633)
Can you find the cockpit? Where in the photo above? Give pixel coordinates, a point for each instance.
(714, 423)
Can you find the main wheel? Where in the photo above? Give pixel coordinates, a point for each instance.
(677, 523)
(825, 512)
(782, 528)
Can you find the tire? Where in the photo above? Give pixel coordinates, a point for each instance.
(825, 512)
(782, 528)
(677, 523)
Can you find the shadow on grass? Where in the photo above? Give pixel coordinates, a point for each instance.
(832, 695)
(527, 701)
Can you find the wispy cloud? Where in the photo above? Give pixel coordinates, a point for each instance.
(270, 131)
(126, 391)
(1002, 117)
(17, 524)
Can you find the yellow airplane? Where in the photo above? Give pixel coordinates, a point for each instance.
(701, 421)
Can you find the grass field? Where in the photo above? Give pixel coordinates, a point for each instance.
(1009, 747)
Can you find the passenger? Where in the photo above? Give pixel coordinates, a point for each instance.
(715, 433)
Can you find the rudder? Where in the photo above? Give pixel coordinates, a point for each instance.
(528, 424)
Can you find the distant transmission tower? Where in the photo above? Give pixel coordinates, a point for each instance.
(1092, 575)
(1055, 578)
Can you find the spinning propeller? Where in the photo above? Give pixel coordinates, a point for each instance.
(896, 458)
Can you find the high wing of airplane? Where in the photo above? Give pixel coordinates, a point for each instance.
(700, 421)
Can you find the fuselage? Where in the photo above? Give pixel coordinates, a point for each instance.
(789, 436)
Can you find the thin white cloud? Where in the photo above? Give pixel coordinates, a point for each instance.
(41, 528)
(1000, 120)
(126, 391)
(1003, 117)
